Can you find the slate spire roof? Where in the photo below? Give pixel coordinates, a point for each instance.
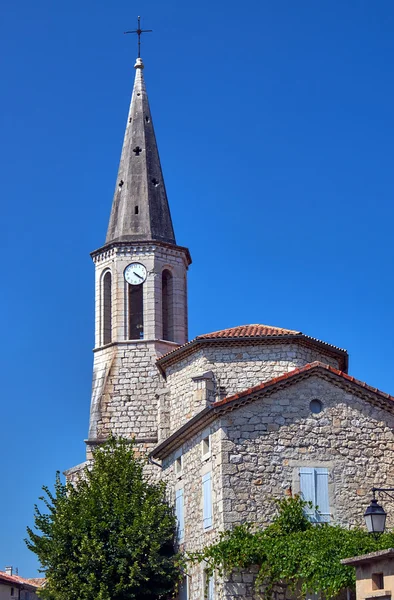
(140, 210)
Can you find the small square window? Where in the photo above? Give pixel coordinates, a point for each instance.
(178, 466)
(377, 581)
(206, 447)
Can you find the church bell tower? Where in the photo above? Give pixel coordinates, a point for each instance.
(141, 289)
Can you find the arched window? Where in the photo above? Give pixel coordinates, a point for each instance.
(136, 312)
(107, 308)
(167, 296)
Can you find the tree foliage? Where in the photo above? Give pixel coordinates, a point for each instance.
(293, 551)
(112, 537)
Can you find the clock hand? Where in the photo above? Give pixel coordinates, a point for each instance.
(134, 273)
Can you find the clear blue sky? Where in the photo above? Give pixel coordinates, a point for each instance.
(275, 123)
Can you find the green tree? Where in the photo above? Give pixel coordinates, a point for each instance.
(111, 537)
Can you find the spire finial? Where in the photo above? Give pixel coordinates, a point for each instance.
(138, 31)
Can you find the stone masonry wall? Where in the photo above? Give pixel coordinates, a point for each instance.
(127, 388)
(257, 451)
(268, 441)
(190, 479)
(235, 369)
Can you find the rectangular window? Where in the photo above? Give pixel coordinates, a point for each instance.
(206, 447)
(183, 591)
(314, 488)
(179, 512)
(207, 500)
(377, 581)
(209, 588)
(178, 466)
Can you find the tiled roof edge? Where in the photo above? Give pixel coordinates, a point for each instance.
(210, 413)
(177, 353)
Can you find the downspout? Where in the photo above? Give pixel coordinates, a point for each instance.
(152, 462)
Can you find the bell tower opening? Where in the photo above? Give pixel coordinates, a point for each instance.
(136, 312)
(167, 295)
(107, 308)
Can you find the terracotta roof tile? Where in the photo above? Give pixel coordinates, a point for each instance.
(300, 371)
(243, 331)
(210, 413)
(256, 332)
(15, 579)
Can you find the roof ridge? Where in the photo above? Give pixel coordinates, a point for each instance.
(247, 333)
(210, 413)
(18, 579)
(299, 371)
(247, 325)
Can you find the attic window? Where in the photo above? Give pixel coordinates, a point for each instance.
(130, 120)
(137, 150)
(138, 94)
(206, 447)
(147, 119)
(178, 466)
(136, 210)
(316, 406)
(121, 182)
(155, 182)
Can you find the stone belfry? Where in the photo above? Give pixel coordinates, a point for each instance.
(141, 290)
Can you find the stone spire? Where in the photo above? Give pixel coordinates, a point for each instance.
(140, 208)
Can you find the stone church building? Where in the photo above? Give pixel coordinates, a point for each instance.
(229, 419)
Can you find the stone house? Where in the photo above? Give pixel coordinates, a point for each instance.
(13, 587)
(232, 418)
(374, 574)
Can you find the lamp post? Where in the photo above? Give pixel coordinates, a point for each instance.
(375, 515)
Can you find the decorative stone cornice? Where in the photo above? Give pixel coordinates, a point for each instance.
(142, 247)
(134, 343)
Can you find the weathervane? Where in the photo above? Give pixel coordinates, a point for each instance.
(138, 31)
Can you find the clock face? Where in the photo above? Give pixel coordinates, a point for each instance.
(135, 273)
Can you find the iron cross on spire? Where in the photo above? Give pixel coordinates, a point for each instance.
(138, 31)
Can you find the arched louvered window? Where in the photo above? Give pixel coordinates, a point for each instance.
(107, 308)
(136, 312)
(167, 295)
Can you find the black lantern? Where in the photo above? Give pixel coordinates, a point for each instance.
(375, 517)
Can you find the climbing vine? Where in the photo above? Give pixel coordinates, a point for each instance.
(304, 556)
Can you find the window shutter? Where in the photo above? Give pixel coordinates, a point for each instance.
(179, 514)
(210, 589)
(183, 591)
(307, 487)
(321, 478)
(207, 500)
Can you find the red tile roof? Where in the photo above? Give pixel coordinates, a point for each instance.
(301, 371)
(255, 333)
(243, 331)
(21, 581)
(216, 409)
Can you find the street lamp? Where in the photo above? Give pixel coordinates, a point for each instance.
(375, 515)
